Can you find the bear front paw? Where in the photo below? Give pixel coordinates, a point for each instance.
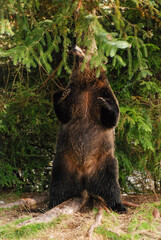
(103, 102)
(65, 94)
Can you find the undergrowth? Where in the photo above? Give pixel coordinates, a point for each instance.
(139, 225)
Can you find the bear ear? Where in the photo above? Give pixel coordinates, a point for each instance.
(78, 52)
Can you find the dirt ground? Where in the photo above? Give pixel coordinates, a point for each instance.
(76, 226)
(139, 199)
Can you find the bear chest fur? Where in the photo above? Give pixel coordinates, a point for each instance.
(86, 144)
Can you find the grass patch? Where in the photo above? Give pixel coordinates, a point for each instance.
(144, 224)
(10, 231)
(18, 221)
(103, 231)
(140, 225)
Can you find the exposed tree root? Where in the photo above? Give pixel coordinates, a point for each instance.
(69, 207)
(97, 222)
(129, 204)
(27, 202)
(43, 198)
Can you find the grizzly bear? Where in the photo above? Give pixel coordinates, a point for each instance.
(88, 111)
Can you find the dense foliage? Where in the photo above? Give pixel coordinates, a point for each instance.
(28, 135)
(36, 38)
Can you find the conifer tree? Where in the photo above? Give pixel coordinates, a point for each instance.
(38, 36)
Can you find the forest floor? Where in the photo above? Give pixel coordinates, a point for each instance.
(138, 223)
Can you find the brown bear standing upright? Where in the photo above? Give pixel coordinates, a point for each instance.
(88, 112)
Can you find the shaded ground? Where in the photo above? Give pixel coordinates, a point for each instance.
(138, 223)
(139, 199)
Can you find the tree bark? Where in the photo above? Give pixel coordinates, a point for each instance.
(68, 207)
(27, 202)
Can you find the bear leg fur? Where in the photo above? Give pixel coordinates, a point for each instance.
(63, 187)
(105, 184)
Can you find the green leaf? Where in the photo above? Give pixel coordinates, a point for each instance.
(146, 73)
(108, 49)
(120, 60)
(15, 59)
(98, 72)
(2, 22)
(122, 44)
(114, 61)
(113, 50)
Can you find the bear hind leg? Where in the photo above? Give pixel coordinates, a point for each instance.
(63, 187)
(105, 184)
